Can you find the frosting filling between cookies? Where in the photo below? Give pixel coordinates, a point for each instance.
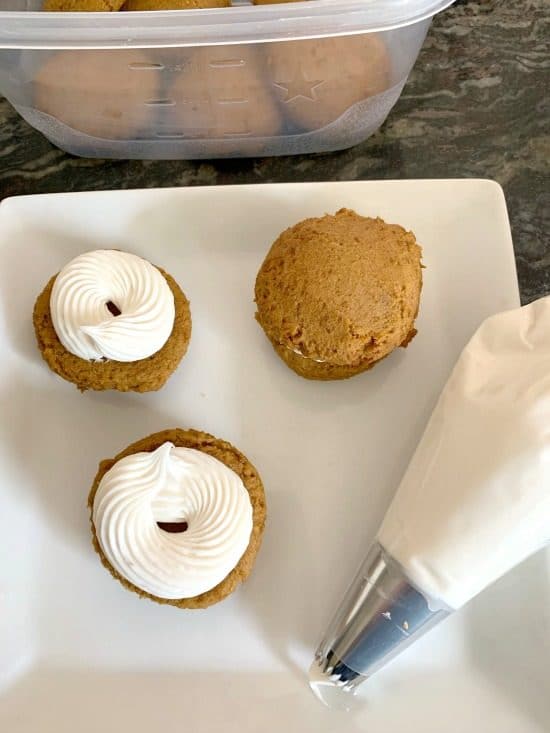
(310, 358)
(114, 305)
(172, 485)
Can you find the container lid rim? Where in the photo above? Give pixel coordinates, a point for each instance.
(32, 29)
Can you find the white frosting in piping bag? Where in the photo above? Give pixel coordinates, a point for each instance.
(172, 484)
(475, 499)
(85, 325)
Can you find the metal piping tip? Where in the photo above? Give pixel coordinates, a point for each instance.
(381, 614)
(330, 686)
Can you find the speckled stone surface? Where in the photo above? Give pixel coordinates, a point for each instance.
(477, 104)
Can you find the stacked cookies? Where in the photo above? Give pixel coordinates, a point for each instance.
(228, 93)
(337, 294)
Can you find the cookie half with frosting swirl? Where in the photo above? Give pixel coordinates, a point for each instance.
(112, 320)
(178, 517)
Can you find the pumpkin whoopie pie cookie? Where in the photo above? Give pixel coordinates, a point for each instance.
(112, 320)
(336, 294)
(178, 517)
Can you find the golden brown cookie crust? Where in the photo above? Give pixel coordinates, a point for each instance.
(145, 375)
(174, 4)
(237, 462)
(90, 6)
(338, 293)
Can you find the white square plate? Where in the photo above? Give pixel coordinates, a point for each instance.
(79, 653)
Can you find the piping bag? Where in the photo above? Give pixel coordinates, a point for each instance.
(473, 503)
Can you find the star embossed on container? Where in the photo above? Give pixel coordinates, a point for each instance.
(299, 86)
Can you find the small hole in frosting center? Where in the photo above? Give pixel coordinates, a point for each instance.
(173, 527)
(113, 309)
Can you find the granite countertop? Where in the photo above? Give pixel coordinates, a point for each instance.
(477, 104)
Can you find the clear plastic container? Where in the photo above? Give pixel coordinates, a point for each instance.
(279, 79)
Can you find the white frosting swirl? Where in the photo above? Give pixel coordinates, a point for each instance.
(172, 485)
(82, 319)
